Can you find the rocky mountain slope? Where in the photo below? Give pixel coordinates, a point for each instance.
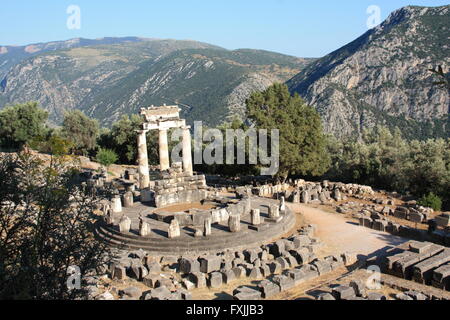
(383, 78)
(108, 80)
(12, 55)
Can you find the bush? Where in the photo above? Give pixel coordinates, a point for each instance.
(431, 201)
(106, 157)
(47, 226)
(81, 131)
(20, 124)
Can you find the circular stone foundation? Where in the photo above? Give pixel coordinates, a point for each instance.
(220, 239)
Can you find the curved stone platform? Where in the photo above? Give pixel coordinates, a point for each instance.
(220, 239)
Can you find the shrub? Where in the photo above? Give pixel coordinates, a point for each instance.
(431, 201)
(106, 157)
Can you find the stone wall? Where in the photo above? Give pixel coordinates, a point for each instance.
(176, 186)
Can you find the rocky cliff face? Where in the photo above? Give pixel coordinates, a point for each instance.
(383, 77)
(107, 81)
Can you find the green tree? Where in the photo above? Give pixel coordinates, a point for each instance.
(302, 140)
(106, 157)
(46, 225)
(20, 124)
(122, 139)
(431, 201)
(81, 131)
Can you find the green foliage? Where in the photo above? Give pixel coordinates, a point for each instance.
(122, 139)
(431, 201)
(235, 169)
(46, 224)
(385, 160)
(52, 143)
(302, 141)
(81, 131)
(106, 157)
(20, 124)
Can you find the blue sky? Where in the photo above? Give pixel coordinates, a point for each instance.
(302, 28)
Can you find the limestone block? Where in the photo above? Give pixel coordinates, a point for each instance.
(210, 264)
(128, 199)
(215, 280)
(174, 229)
(144, 228)
(124, 224)
(116, 204)
(274, 212)
(234, 223)
(189, 265)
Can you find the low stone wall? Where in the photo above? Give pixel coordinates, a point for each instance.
(179, 187)
(312, 192)
(221, 213)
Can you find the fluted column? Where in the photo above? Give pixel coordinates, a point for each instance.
(144, 174)
(164, 161)
(187, 151)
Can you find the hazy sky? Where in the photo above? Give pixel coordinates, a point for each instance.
(304, 28)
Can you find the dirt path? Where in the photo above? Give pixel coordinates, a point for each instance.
(340, 234)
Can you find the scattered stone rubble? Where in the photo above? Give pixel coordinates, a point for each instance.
(280, 266)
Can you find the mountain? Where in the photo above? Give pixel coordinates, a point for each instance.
(383, 78)
(12, 55)
(112, 79)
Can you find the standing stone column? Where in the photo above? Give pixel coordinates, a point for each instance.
(128, 199)
(174, 229)
(164, 161)
(144, 174)
(116, 204)
(124, 224)
(144, 228)
(256, 217)
(207, 228)
(187, 151)
(234, 223)
(274, 212)
(282, 205)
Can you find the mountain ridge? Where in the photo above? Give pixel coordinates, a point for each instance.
(382, 74)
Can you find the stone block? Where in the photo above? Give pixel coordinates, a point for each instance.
(246, 294)
(275, 267)
(376, 296)
(265, 270)
(210, 263)
(119, 272)
(255, 273)
(250, 255)
(359, 287)
(343, 293)
(268, 289)
(198, 278)
(240, 272)
(228, 276)
(215, 280)
(132, 293)
(284, 282)
(189, 265)
(325, 296)
(161, 293)
(322, 267)
(234, 223)
(151, 279)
